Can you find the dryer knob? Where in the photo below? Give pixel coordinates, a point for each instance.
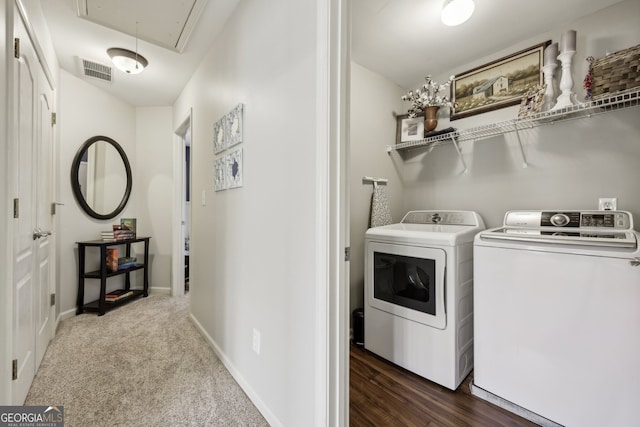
(560, 220)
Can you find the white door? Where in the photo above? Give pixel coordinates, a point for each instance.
(44, 144)
(32, 322)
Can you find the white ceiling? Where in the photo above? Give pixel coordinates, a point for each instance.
(402, 40)
(169, 27)
(163, 30)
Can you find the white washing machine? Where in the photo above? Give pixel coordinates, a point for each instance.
(557, 317)
(418, 309)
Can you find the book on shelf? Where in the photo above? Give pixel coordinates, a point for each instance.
(107, 235)
(120, 233)
(112, 259)
(127, 262)
(117, 295)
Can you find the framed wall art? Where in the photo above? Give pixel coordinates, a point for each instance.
(234, 168)
(233, 125)
(532, 101)
(409, 128)
(498, 84)
(219, 173)
(219, 142)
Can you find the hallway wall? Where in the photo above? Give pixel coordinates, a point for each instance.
(146, 135)
(153, 178)
(253, 249)
(86, 111)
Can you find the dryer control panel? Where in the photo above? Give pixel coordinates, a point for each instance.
(616, 220)
(443, 218)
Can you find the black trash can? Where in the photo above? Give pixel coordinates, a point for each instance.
(358, 326)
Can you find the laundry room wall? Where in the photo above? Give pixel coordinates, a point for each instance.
(375, 102)
(570, 164)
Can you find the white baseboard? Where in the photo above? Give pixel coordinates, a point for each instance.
(159, 290)
(253, 396)
(511, 407)
(65, 315)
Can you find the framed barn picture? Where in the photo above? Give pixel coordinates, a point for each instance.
(498, 84)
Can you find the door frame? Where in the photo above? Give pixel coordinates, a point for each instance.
(6, 117)
(332, 230)
(8, 12)
(177, 275)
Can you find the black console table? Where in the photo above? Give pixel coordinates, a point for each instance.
(101, 306)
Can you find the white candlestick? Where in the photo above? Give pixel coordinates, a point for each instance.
(567, 97)
(550, 54)
(549, 92)
(568, 41)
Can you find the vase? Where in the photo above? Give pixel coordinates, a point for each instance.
(431, 117)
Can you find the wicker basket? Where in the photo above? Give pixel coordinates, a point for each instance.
(616, 72)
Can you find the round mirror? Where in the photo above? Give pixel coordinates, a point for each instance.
(101, 177)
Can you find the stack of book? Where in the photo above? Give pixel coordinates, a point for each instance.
(120, 233)
(119, 294)
(107, 236)
(127, 262)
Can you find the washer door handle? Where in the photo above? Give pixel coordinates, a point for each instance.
(635, 262)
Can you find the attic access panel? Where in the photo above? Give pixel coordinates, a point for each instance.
(166, 23)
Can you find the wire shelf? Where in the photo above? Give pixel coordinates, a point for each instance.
(617, 101)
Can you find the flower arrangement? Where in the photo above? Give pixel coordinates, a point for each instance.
(427, 96)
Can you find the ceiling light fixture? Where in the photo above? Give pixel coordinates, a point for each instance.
(126, 60)
(455, 12)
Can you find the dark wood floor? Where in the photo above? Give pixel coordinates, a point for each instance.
(383, 394)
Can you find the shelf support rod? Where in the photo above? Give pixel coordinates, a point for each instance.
(455, 144)
(524, 156)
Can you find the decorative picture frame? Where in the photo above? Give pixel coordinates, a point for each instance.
(234, 125)
(219, 139)
(234, 169)
(409, 128)
(219, 174)
(498, 84)
(532, 101)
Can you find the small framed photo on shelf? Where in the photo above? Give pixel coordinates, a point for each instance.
(235, 168)
(532, 102)
(234, 126)
(219, 174)
(129, 224)
(409, 128)
(219, 141)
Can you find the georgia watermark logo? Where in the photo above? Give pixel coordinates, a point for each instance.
(31, 416)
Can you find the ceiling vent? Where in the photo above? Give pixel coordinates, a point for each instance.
(95, 70)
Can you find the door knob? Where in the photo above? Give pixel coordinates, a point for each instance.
(37, 233)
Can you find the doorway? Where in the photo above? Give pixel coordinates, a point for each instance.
(30, 177)
(182, 208)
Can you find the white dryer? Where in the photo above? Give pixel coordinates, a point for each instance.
(418, 309)
(557, 317)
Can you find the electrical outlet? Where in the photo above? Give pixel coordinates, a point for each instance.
(607, 203)
(256, 341)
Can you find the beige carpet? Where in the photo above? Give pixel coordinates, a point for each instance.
(142, 364)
